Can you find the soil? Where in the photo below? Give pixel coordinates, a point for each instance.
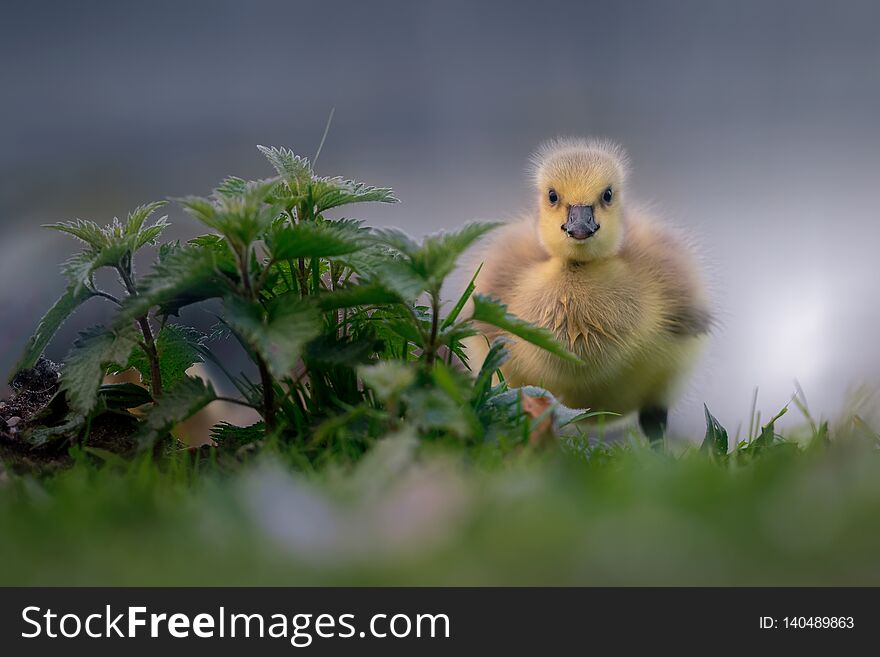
(35, 402)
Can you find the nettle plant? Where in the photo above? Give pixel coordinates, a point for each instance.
(344, 323)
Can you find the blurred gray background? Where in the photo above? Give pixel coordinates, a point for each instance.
(752, 125)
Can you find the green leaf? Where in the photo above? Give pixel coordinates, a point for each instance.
(715, 441)
(387, 378)
(327, 193)
(178, 348)
(183, 276)
(768, 434)
(455, 334)
(320, 239)
(369, 294)
(397, 240)
(330, 350)
(491, 311)
(49, 325)
(393, 324)
(182, 401)
(368, 259)
(577, 415)
(78, 270)
(109, 246)
(495, 358)
(134, 225)
(87, 361)
(73, 423)
(124, 395)
(430, 409)
(401, 277)
(425, 267)
(240, 218)
(462, 300)
(231, 437)
(87, 232)
(231, 186)
(438, 254)
(295, 171)
(278, 333)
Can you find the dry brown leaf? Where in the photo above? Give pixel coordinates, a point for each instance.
(542, 435)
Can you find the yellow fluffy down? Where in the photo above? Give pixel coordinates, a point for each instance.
(628, 300)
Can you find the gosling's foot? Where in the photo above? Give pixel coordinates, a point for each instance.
(653, 421)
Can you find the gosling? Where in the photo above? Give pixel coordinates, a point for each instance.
(613, 285)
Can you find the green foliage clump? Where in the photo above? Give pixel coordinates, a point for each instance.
(344, 323)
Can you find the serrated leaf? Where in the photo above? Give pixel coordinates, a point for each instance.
(136, 218)
(369, 259)
(492, 311)
(327, 193)
(231, 186)
(87, 232)
(178, 350)
(397, 240)
(294, 170)
(425, 266)
(240, 218)
(438, 254)
(278, 333)
(395, 323)
(150, 234)
(183, 276)
(368, 294)
(87, 361)
(399, 276)
(108, 246)
(230, 436)
(49, 325)
(319, 239)
(178, 403)
(78, 270)
(715, 441)
(457, 333)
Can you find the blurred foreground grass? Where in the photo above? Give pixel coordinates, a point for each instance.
(805, 513)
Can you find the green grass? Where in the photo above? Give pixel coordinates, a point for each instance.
(378, 459)
(410, 513)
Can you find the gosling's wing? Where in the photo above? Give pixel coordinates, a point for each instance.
(667, 262)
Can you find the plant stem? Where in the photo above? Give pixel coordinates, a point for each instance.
(105, 295)
(303, 284)
(265, 377)
(152, 356)
(316, 275)
(431, 350)
(149, 341)
(268, 394)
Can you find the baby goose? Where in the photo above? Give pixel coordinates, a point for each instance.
(614, 286)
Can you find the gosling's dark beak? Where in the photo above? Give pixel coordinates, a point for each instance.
(581, 224)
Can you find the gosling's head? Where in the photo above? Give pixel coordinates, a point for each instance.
(580, 198)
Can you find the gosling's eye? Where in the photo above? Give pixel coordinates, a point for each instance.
(607, 195)
(553, 197)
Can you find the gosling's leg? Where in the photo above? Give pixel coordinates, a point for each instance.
(652, 420)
